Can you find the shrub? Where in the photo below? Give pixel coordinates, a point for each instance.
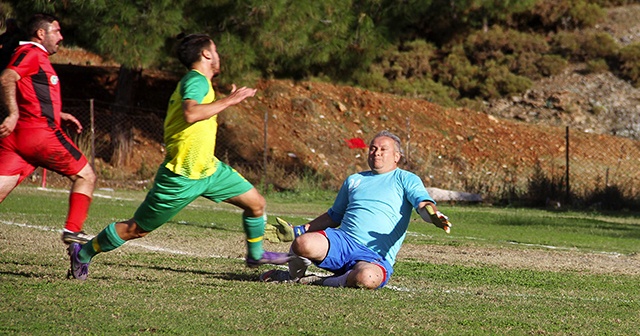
(457, 71)
(512, 84)
(566, 44)
(425, 89)
(597, 66)
(613, 3)
(500, 81)
(550, 14)
(496, 43)
(609, 198)
(415, 57)
(598, 45)
(525, 64)
(550, 65)
(630, 63)
(541, 187)
(586, 14)
(567, 14)
(472, 104)
(579, 46)
(519, 52)
(372, 79)
(408, 60)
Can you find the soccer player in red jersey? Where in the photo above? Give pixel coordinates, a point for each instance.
(31, 135)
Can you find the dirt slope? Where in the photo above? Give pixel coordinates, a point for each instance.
(308, 123)
(457, 149)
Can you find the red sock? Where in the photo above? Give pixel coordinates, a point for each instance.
(78, 209)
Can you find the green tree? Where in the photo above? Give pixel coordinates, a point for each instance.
(285, 38)
(133, 33)
(489, 12)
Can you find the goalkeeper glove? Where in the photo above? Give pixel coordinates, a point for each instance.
(436, 217)
(290, 230)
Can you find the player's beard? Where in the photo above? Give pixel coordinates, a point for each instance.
(51, 48)
(216, 70)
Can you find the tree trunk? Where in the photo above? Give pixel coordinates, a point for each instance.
(122, 125)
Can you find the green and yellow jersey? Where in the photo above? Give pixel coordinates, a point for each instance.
(190, 147)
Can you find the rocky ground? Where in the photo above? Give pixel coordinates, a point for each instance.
(599, 103)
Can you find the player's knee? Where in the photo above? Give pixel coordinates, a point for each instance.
(3, 195)
(367, 279)
(90, 176)
(87, 176)
(303, 246)
(131, 230)
(7, 184)
(257, 206)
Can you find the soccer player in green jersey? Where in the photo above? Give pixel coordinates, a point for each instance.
(190, 168)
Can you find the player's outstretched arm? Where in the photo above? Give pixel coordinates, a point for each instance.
(194, 112)
(430, 214)
(321, 222)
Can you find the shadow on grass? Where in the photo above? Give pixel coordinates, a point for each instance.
(231, 276)
(209, 226)
(590, 226)
(24, 274)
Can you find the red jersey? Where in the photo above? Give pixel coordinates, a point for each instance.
(38, 90)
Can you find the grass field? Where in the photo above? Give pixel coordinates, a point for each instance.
(500, 271)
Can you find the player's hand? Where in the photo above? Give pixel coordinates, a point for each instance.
(239, 94)
(439, 219)
(7, 126)
(66, 117)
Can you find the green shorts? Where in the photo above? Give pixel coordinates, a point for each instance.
(172, 192)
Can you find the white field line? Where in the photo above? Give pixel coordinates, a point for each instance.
(129, 243)
(234, 209)
(549, 247)
(390, 287)
(212, 206)
(524, 296)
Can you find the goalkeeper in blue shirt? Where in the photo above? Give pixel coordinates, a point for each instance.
(359, 237)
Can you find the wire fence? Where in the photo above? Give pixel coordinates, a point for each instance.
(607, 172)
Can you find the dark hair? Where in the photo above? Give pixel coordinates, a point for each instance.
(39, 21)
(394, 137)
(190, 48)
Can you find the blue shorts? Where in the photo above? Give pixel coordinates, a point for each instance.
(344, 252)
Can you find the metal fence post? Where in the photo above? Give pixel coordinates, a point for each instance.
(264, 152)
(93, 135)
(568, 194)
(406, 154)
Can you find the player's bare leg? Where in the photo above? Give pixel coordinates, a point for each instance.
(311, 245)
(84, 182)
(7, 184)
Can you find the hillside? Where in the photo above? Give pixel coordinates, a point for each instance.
(486, 151)
(308, 123)
(593, 102)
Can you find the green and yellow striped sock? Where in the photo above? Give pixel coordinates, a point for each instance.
(107, 240)
(254, 230)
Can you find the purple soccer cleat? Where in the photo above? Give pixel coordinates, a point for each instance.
(78, 269)
(274, 258)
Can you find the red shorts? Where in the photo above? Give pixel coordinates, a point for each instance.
(25, 149)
